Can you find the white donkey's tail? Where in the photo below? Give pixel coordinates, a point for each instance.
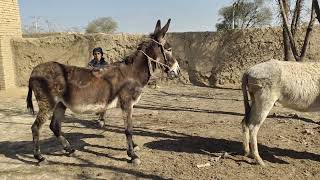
(247, 107)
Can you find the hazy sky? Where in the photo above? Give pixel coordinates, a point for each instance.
(135, 16)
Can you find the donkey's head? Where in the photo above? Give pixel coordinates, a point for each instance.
(161, 50)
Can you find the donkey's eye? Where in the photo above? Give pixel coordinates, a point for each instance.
(169, 49)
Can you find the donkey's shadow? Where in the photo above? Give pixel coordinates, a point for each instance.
(171, 141)
(181, 142)
(22, 150)
(202, 145)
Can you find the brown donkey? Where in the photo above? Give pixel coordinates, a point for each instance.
(58, 87)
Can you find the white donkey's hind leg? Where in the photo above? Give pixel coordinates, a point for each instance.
(263, 103)
(245, 133)
(245, 130)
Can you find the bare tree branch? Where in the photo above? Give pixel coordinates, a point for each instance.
(284, 10)
(296, 17)
(308, 33)
(317, 9)
(250, 20)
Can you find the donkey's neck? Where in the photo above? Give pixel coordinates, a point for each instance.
(140, 69)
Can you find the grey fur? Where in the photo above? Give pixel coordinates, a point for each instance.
(295, 85)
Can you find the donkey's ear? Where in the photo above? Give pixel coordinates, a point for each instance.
(166, 27)
(157, 29)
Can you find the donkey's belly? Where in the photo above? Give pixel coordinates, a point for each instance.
(301, 105)
(89, 108)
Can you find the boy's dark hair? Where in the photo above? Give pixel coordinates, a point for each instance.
(97, 49)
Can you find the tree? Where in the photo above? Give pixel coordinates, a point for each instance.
(244, 14)
(317, 9)
(102, 25)
(286, 41)
(40, 25)
(290, 32)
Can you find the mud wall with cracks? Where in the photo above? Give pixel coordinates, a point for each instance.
(218, 59)
(72, 49)
(215, 59)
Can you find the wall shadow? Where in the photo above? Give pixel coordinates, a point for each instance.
(184, 109)
(176, 95)
(182, 142)
(172, 141)
(13, 111)
(307, 120)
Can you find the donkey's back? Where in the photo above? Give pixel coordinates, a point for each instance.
(77, 88)
(293, 84)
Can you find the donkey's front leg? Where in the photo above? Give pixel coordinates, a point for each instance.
(128, 131)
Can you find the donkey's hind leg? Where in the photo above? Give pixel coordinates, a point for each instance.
(42, 117)
(263, 103)
(245, 133)
(55, 126)
(245, 129)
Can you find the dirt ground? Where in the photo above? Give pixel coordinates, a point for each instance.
(179, 130)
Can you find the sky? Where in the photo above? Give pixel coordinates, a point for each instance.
(132, 16)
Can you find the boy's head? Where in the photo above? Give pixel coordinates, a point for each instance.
(97, 53)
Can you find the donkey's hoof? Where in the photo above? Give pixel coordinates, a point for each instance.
(38, 157)
(260, 162)
(136, 148)
(101, 124)
(246, 154)
(42, 162)
(136, 161)
(70, 152)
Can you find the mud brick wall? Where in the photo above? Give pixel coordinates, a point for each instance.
(216, 59)
(10, 26)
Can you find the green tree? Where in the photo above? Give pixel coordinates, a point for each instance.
(244, 14)
(102, 25)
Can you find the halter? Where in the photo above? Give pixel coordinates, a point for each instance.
(150, 59)
(162, 50)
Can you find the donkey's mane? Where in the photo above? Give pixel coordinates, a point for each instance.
(141, 46)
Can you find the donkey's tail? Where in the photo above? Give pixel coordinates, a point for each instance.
(245, 97)
(29, 100)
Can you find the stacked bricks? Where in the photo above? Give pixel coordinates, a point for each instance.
(10, 27)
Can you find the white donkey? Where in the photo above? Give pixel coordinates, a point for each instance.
(293, 84)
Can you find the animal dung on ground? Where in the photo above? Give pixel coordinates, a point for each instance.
(203, 165)
(308, 132)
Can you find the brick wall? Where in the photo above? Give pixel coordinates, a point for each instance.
(10, 26)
